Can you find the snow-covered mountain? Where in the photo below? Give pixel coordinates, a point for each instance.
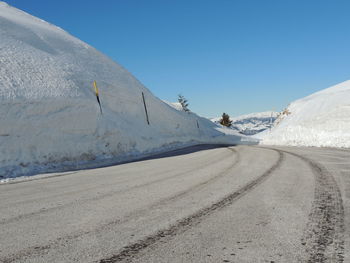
(50, 118)
(252, 123)
(321, 119)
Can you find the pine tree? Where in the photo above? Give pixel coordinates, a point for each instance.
(225, 120)
(183, 101)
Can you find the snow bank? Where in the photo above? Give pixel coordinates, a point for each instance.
(175, 105)
(252, 123)
(50, 119)
(321, 119)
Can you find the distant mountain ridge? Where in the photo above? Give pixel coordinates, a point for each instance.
(253, 123)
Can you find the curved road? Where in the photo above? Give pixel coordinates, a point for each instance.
(201, 204)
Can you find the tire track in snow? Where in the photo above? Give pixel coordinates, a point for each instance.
(128, 252)
(323, 237)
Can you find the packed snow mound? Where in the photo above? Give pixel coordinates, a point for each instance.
(50, 118)
(175, 105)
(252, 123)
(321, 119)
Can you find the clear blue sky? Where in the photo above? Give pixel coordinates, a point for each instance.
(234, 56)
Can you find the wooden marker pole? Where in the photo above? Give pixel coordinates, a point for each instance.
(144, 103)
(97, 96)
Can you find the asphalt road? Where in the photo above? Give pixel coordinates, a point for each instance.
(203, 204)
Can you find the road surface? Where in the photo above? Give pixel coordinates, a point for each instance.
(202, 204)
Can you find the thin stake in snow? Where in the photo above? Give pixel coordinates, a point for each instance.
(271, 119)
(144, 103)
(97, 96)
(197, 124)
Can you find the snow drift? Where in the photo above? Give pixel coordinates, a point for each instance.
(252, 123)
(50, 119)
(321, 119)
